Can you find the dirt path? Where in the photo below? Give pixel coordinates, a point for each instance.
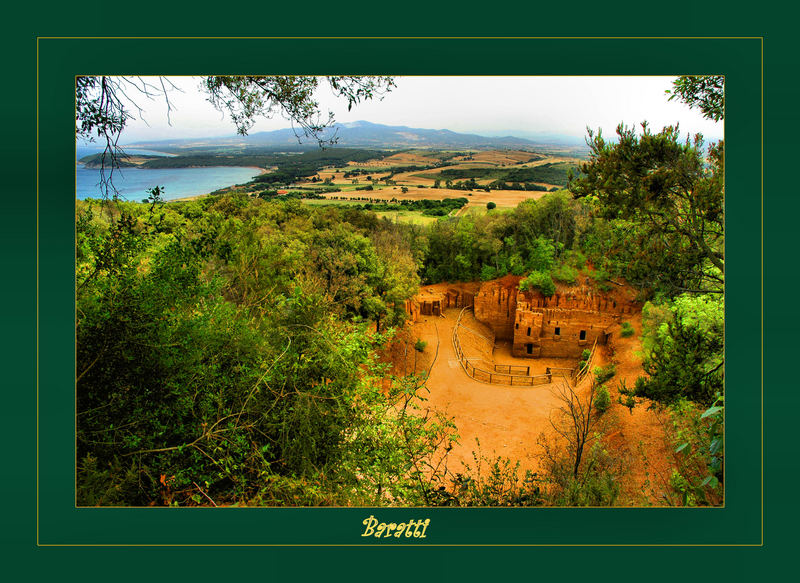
(639, 434)
(507, 420)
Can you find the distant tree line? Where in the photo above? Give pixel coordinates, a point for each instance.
(551, 173)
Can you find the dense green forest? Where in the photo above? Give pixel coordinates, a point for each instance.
(226, 347)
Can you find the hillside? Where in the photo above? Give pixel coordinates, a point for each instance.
(365, 134)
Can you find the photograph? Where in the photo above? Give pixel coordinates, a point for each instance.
(410, 291)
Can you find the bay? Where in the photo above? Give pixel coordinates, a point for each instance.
(133, 183)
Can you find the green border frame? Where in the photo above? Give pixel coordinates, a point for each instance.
(740, 522)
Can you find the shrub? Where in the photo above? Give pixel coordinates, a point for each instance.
(565, 273)
(597, 483)
(600, 275)
(697, 439)
(627, 330)
(629, 402)
(575, 259)
(492, 482)
(488, 272)
(420, 345)
(604, 373)
(540, 281)
(602, 399)
(490, 205)
(585, 355)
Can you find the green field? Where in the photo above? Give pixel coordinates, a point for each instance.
(328, 202)
(411, 217)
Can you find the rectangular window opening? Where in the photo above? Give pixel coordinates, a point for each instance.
(583, 335)
(558, 331)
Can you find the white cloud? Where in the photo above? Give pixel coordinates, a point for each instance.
(484, 105)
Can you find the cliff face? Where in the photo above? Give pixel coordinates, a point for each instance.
(559, 326)
(496, 305)
(432, 300)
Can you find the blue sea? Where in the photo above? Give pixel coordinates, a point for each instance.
(133, 183)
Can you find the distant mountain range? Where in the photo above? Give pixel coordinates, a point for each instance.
(365, 134)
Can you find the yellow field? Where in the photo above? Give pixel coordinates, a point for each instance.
(413, 217)
(418, 183)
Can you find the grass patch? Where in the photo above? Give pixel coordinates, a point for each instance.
(411, 217)
(328, 202)
(604, 373)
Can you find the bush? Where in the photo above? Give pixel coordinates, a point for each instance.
(488, 272)
(565, 273)
(602, 399)
(627, 330)
(575, 259)
(629, 402)
(600, 275)
(420, 345)
(540, 281)
(492, 482)
(585, 355)
(597, 483)
(604, 373)
(490, 205)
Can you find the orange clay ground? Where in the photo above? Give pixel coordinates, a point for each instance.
(508, 420)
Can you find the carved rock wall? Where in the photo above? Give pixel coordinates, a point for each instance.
(561, 332)
(496, 305)
(560, 326)
(433, 300)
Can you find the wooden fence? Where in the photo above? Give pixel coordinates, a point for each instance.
(513, 368)
(495, 377)
(566, 373)
(588, 366)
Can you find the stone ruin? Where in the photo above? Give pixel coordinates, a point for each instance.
(432, 302)
(560, 326)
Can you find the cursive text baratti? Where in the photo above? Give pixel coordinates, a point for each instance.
(412, 528)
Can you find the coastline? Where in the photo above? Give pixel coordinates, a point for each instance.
(199, 196)
(189, 197)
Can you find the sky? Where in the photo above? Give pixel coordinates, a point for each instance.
(482, 105)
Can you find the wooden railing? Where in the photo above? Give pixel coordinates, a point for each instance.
(588, 366)
(494, 377)
(567, 373)
(513, 368)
